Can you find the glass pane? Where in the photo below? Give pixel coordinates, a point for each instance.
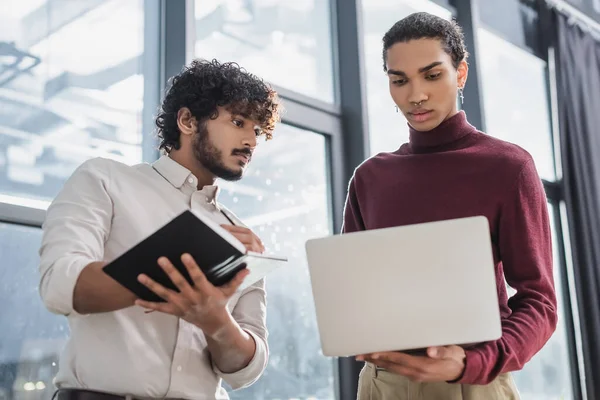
(515, 21)
(388, 129)
(515, 99)
(71, 88)
(284, 198)
(288, 43)
(31, 338)
(547, 376)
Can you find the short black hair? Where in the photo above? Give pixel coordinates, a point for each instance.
(203, 86)
(423, 25)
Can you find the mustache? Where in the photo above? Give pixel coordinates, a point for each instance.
(243, 152)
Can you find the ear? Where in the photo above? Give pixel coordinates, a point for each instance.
(186, 122)
(462, 72)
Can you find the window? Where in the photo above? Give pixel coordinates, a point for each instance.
(388, 129)
(516, 109)
(32, 338)
(71, 88)
(547, 376)
(288, 43)
(515, 99)
(285, 200)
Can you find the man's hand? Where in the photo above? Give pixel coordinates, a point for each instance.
(203, 304)
(441, 364)
(247, 237)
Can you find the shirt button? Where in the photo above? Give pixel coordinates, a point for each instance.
(191, 180)
(179, 368)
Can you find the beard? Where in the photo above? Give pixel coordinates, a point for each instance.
(211, 157)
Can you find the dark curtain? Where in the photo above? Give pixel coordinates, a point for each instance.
(578, 67)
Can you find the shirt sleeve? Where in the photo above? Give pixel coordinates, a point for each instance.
(250, 313)
(76, 227)
(525, 246)
(353, 221)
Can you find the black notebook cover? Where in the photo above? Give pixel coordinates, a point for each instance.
(186, 233)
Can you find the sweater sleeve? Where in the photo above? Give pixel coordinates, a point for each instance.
(353, 221)
(525, 246)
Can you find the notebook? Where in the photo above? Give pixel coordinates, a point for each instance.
(216, 251)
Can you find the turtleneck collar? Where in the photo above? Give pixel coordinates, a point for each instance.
(449, 131)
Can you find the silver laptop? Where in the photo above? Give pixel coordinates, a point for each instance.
(405, 288)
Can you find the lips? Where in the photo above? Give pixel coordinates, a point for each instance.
(420, 115)
(244, 157)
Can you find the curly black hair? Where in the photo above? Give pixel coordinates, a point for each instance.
(205, 85)
(423, 25)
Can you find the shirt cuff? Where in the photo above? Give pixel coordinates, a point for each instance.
(250, 373)
(473, 368)
(58, 286)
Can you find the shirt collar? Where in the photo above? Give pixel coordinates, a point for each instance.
(179, 176)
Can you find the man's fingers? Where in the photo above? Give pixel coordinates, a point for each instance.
(418, 369)
(235, 283)
(252, 244)
(247, 237)
(242, 234)
(166, 308)
(156, 288)
(235, 228)
(178, 280)
(436, 352)
(230, 288)
(400, 370)
(441, 352)
(200, 282)
(418, 364)
(436, 365)
(393, 356)
(176, 300)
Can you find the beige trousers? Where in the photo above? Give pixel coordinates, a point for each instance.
(377, 384)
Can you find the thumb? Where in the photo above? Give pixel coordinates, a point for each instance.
(438, 352)
(231, 287)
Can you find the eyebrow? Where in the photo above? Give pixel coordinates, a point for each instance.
(421, 70)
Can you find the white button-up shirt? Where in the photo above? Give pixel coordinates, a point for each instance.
(104, 209)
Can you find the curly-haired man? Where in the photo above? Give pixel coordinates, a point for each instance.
(210, 122)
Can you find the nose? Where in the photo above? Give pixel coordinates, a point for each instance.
(417, 94)
(250, 139)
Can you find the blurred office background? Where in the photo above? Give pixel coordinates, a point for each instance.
(83, 78)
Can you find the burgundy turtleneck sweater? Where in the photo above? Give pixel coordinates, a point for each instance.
(454, 171)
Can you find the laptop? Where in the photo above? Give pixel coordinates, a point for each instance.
(405, 288)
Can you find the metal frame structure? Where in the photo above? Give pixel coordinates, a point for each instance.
(344, 124)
